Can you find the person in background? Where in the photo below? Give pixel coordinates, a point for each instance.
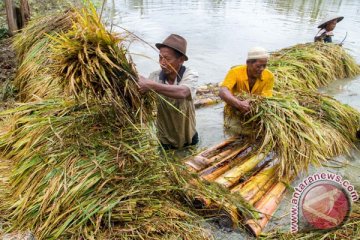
(176, 85)
(326, 29)
(252, 78)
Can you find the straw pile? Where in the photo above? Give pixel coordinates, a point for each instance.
(311, 65)
(302, 126)
(83, 164)
(300, 136)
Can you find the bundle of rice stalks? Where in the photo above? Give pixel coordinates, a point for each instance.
(91, 60)
(289, 129)
(311, 65)
(328, 111)
(81, 59)
(80, 173)
(34, 78)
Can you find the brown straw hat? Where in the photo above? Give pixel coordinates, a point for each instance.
(323, 23)
(175, 42)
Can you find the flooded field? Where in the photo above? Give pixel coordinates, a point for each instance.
(219, 34)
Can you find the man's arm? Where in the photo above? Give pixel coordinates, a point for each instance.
(226, 95)
(173, 91)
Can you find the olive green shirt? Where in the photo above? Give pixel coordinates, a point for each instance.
(176, 123)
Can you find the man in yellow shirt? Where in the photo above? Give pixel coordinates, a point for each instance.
(252, 78)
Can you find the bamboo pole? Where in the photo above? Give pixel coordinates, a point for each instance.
(232, 176)
(228, 217)
(262, 191)
(253, 185)
(212, 172)
(201, 202)
(201, 161)
(266, 206)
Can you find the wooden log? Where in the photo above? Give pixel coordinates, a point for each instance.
(11, 17)
(266, 206)
(255, 183)
(232, 176)
(25, 12)
(206, 102)
(214, 149)
(202, 160)
(212, 172)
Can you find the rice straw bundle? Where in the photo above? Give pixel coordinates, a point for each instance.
(311, 65)
(331, 112)
(79, 173)
(34, 78)
(292, 132)
(90, 59)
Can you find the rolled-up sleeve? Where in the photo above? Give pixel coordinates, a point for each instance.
(268, 87)
(230, 80)
(190, 80)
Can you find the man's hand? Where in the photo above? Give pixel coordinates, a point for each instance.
(229, 98)
(144, 84)
(243, 106)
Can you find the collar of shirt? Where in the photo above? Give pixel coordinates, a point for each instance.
(180, 75)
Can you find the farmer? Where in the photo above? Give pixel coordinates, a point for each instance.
(176, 84)
(326, 29)
(252, 78)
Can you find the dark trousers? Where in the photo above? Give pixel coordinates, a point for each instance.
(194, 141)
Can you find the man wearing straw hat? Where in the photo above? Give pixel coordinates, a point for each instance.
(326, 29)
(176, 86)
(252, 78)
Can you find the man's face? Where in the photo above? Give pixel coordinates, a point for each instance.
(256, 68)
(169, 61)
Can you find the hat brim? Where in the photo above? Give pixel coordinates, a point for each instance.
(338, 19)
(160, 45)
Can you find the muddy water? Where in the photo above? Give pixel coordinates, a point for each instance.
(219, 34)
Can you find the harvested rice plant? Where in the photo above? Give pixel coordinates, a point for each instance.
(310, 66)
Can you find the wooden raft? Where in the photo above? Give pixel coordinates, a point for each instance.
(236, 164)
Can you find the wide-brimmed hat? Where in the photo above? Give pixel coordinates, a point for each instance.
(330, 19)
(176, 42)
(257, 53)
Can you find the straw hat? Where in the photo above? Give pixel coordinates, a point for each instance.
(327, 20)
(175, 42)
(257, 53)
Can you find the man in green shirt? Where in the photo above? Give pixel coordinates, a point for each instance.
(176, 127)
